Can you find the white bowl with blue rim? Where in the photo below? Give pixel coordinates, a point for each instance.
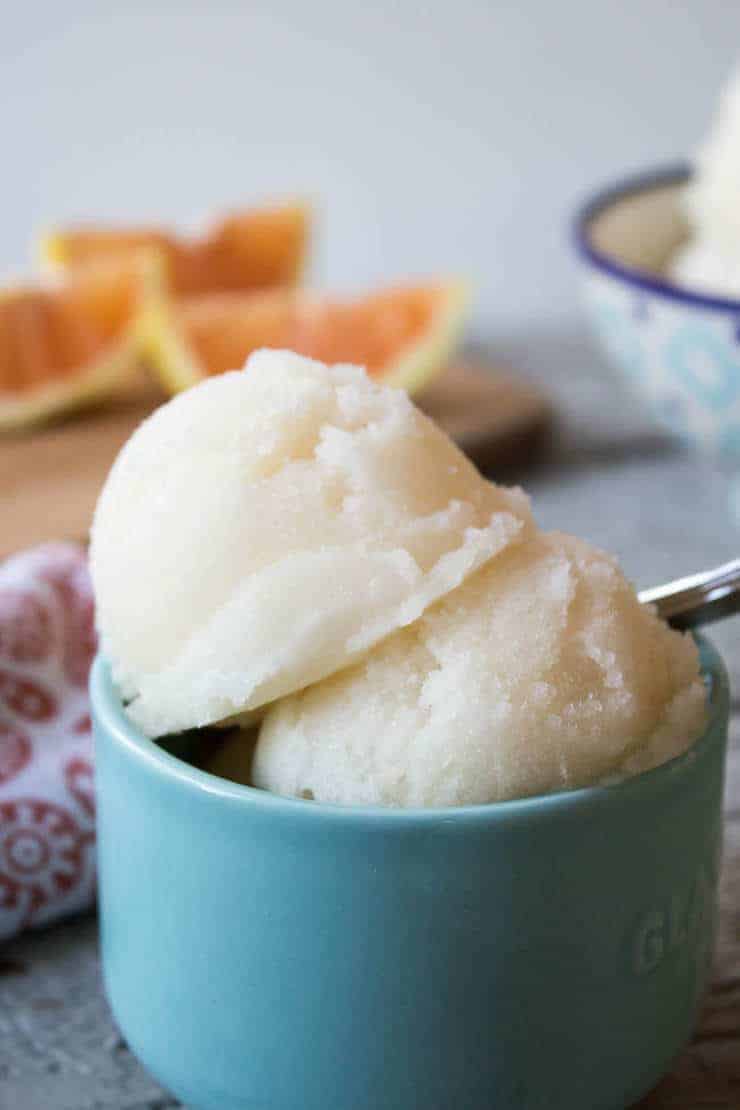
(679, 349)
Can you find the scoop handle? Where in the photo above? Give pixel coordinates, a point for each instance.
(699, 598)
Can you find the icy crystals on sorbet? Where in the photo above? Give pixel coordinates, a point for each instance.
(267, 527)
(542, 672)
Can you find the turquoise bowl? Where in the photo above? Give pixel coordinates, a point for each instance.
(678, 348)
(264, 953)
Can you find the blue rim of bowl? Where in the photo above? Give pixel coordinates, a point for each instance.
(107, 710)
(676, 174)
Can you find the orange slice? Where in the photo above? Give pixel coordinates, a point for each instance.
(402, 335)
(65, 345)
(259, 248)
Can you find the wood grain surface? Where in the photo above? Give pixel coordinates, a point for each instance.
(50, 478)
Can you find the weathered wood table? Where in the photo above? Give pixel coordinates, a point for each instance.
(608, 476)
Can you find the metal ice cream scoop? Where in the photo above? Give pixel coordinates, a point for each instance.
(699, 598)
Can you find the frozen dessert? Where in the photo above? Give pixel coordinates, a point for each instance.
(710, 260)
(542, 672)
(297, 547)
(268, 527)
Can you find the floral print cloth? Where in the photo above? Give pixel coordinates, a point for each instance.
(47, 803)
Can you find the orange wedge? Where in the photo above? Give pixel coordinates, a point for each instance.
(257, 248)
(63, 346)
(402, 335)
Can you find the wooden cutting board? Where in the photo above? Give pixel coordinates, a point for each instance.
(49, 479)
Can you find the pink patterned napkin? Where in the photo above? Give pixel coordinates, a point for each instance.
(47, 805)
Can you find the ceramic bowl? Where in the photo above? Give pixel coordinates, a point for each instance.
(679, 349)
(265, 953)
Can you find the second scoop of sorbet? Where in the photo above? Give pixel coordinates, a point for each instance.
(540, 673)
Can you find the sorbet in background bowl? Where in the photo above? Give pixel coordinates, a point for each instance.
(709, 260)
(660, 254)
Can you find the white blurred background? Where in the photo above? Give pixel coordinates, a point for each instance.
(435, 137)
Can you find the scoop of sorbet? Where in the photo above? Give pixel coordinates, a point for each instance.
(541, 672)
(710, 260)
(267, 527)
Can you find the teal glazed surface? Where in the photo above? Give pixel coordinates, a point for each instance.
(264, 953)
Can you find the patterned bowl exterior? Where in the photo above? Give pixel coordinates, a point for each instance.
(679, 350)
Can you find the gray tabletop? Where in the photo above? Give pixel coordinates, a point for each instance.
(608, 476)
